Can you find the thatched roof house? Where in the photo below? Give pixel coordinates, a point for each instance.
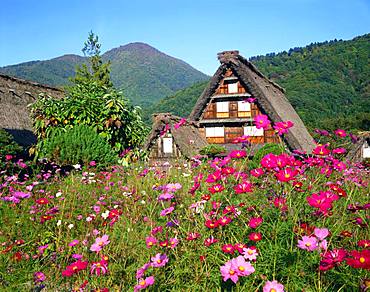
(173, 138)
(361, 150)
(244, 80)
(15, 95)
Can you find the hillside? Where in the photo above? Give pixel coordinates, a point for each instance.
(141, 71)
(327, 83)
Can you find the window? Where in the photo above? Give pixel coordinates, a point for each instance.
(222, 107)
(253, 131)
(167, 145)
(244, 106)
(233, 87)
(366, 150)
(215, 132)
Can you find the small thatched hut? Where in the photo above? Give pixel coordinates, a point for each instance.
(15, 95)
(173, 138)
(236, 94)
(360, 151)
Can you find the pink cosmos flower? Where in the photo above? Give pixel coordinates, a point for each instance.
(242, 267)
(173, 242)
(282, 127)
(257, 172)
(321, 233)
(165, 196)
(308, 243)
(141, 271)
(144, 283)
(167, 211)
(245, 187)
(150, 241)
(99, 268)
(238, 154)
(39, 277)
(250, 253)
(321, 150)
(209, 241)
(228, 248)
(74, 242)
(261, 122)
(286, 174)
(340, 133)
(159, 260)
(100, 242)
(255, 222)
(269, 161)
(273, 286)
(228, 271)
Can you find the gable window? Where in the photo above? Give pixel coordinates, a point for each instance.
(215, 132)
(222, 109)
(244, 109)
(167, 145)
(252, 131)
(232, 87)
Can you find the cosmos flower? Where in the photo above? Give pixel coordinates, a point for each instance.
(228, 271)
(74, 268)
(250, 253)
(308, 243)
(100, 242)
(144, 283)
(167, 211)
(39, 277)
(242, 267)
(150, 241)
(159, 260)
(261, 121)
(273, 286)
(282, 127)
(99, 268)
(255, 222)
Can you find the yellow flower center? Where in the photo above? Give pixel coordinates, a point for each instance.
(142, 283)
(308, 244)
(250, 252)
(287, 175)
(362, 260)
(159, 261)
(241, 268)
(232, 272)
(272, 290)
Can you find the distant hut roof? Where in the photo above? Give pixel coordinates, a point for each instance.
(187, 136)
(355, 152)
(15, 95)
(270, 97)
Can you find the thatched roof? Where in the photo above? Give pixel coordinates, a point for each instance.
(187, 136)
(269, 96)
(355, 152)
(15, 95)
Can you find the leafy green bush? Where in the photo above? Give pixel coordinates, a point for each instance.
(80, 144)
(7, 147)
(212, 150)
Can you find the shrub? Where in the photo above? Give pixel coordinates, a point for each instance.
(7, 147)
(80, 144)
(212, 150)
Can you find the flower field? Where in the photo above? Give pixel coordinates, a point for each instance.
(294, 223)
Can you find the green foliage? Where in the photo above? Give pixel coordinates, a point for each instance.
(7, 147)
(80, 144)
(91, 101)
(212, 150)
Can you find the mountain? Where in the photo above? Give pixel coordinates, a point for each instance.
(328, 83)
(143, 73)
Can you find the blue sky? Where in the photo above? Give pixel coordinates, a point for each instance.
(194, 31)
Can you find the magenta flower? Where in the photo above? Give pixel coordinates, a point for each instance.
(167, 211)
(282, 127)
(144, 283)
(273, 286)
(261, 122)
(173, 242)
(250, 253)
(100, 242)
(141, 271)
(242, 267)
(74, 242)
(159, 260)
(321, 233)
(255, 222)
(99, 268)
(308, 243)
(228, 271)
(39, 277)
(165, 196)
(150, 241)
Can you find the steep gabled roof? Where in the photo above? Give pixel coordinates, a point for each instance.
(15, 95)
(270, 98)
(187, 136)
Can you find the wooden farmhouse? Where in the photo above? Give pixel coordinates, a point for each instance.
(235, 95)
(173, 138)
(15, 96)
